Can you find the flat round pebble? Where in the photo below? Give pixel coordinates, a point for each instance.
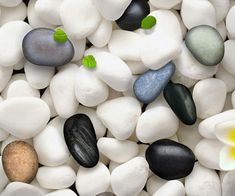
(150, 84)
(61, 192)
(206, 44)
(20, 161)
(169, 159)
(40, 48)
(80, 138)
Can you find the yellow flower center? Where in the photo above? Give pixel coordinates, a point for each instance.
(231, 135)
(232, 152)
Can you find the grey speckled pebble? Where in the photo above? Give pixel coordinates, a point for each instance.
(40, 48)
(151, 83)
(205, 44)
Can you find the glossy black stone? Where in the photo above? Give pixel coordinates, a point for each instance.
(133, 15)
(169, 159)
(181, 102)
(40, 48)
(80, 138)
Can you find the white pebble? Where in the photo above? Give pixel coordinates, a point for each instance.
(154, 124)
(136, 67)
(120, 116)
(3, 135)
(5, 76)
(209, 96)
(230, 22)
(38, 186)
(56, 177)
(3, 177)
(24, 117)
(63, 92)
(143, 193)
(79, 48)
(229, 59)
(134, 171)
(20, 65)
(62, 192)
(154, 183)
(221, 9)
(46, 96)
(116, 150)
(89, 90)
(80, 18)
(12, 3)
(227, 183)
(100, 180)
(221, 28)
(162, 4)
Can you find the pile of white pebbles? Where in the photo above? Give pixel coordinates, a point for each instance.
(35, 100)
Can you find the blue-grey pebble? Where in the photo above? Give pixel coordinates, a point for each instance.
(206, 44)
(150, 84)
(40, 48)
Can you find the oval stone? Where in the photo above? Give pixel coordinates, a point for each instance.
(169, 159)
(40, 48)
(206, 44)
(80, 138)
(150, 84)
(181, 102)
(133, 15)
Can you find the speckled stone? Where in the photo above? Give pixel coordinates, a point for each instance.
(80, 138)
(181, 102)
(40, 48)
(150, 84)
(169, 159)
(206, 44)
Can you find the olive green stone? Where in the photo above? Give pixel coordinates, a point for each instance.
(206, 44)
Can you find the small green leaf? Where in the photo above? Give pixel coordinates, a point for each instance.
(148, 22)
(60, 36)
(89, 61)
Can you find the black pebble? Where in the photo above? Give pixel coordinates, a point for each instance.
(133, 15)
(80, 138)
(169, 159)
(181, 102)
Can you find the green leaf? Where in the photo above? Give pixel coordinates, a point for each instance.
(148, 22)
(89, 61)
(60, 36)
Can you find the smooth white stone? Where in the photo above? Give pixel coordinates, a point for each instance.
(164, 46)
(113, 71)
(202, 181)
(39, 77)
(12, 3)
(134, 171)
(21, 88)
(116, 150)
(136, 67)
(209, 97)
(189, 135)
(163, 4)
(63, 92)
(12, 34)
(48, 99)
(182, 79)
(130, 91)
(100, 180)
(102, 35)
(4, 180)
(143, 193)
(51, 153)
(80, 18)
(120, 116)
(228, 102)
(206, 127)
(94, 50)
(154, 183)
(160, 101)
(230, 22)
(126, 45)
(228, 79)
(24, 117)
(89, 89)
(154, 124)
(188, 66)
(205, 11)
(73, 163)
(233, 99)
(79, 48)
(229, 59)
(34, 20)
(113, 165)
(62, 192)
(221, 9)
(103, 159)
(171, 188)
(20, 64)
(221, 28)
(13, 13)
(20, 189)
(100, 129)
(5, 76)
(49, 11)
(227, 183)
(182, 26)
(38, 186)
(208, 153)
(59, 177)
(111, 10)
(3, 135)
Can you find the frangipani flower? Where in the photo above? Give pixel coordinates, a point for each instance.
(227, 158)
